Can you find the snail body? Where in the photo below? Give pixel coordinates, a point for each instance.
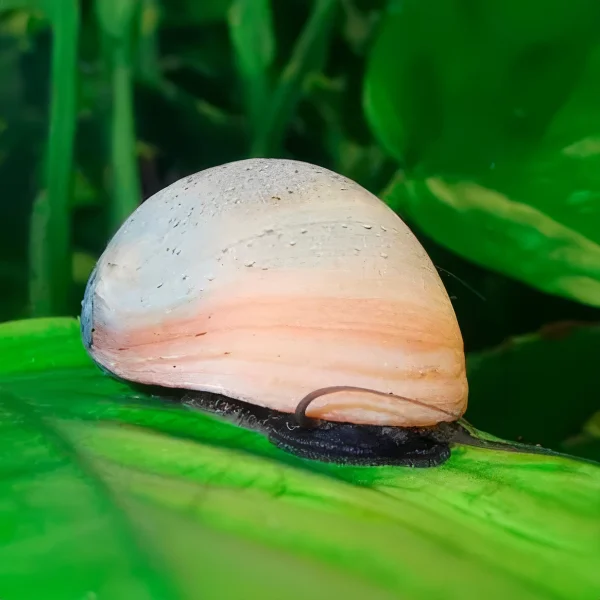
(246, 288)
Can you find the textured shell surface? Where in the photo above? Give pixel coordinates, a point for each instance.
(266, 279)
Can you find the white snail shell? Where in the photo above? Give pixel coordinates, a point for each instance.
(266, 279)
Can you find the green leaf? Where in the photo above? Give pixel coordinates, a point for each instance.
(253, 39)
(456, 85)
(147, 48)
(116, 16)
(307, 56)
(50, 227)
(191, 12)
(83, 265)
(109, 492)
(536, 386)
(117, 19)
(587, 442)
(6, 5)
(507, 234)
(492, 109)
(85, 195)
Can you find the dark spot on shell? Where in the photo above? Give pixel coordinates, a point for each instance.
(202, 333)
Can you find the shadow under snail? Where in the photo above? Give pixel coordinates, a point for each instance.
(289, 299)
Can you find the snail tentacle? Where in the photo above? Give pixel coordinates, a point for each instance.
(304, 421)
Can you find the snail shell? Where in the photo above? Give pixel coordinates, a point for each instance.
(263, 280)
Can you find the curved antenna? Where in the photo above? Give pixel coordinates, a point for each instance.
(470, 288)
(304, 421)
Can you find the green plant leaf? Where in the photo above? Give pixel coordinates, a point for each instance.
(191, 12)
(6, 5)
(587, 442)
(308, 54)
(50, 227)
(117, 20)
(148, 57)
(253, 39)
(115, 17)
(107, 491)
(536, 386)
(508, 234)
(497, 127)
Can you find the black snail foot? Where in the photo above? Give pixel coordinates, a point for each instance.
(345, 443)
(364, 445)
(342, 443)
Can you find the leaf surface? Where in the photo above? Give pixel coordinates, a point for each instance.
(109, 492)
(491, 109)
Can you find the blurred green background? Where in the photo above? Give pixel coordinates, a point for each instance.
(478, 121)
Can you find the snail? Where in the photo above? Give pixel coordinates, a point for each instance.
(290, 299)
